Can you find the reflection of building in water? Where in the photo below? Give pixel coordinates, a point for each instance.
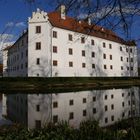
(107, 106)
(4, 105)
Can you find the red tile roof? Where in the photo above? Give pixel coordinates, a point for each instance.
(83, 27)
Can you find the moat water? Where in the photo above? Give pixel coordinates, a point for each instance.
(36, 110)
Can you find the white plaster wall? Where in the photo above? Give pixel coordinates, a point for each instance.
(63, 56)
(44, 69)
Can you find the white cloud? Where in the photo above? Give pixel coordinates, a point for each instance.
(9, 24)
(20, 24)
(6, 37)
(111, 12)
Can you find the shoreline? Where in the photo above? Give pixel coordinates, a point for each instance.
(65, 83)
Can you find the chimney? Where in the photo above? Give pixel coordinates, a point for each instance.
(62, 10)
(89, 21)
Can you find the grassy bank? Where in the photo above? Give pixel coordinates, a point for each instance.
(36, 84)
(88, 130)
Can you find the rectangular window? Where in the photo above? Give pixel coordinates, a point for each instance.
(106, 120)
(112, 118)
(94, 110)
(110, 46)
(83, 53)
(26, 52)
(82, 39)
(105, 67)
(38, 45)
(104, 56)
(123, 115)
(92, 42)
(70, 64)
(126, 49)
(84, 112)
(22, 43)
(127, 68)
(93, 66)
(131, 68)
(121, 58)
(55, 63)
(93, 54)
(131, 50)
(84, 100)
(94, 99)
(38, 108)
(55, 118)
(71, 115)
(120, 48)
(55, 104)
(106, 108)
(38, 29)
(70, 37)
(131, 59)
(54, 34)
(70, 51)
(105, 97)
(38, 124)
(122, 104)
(71, 102)
(111, 67)
(83, 65)
(127, 59)
(110, 57)
(121, 67)
(38, 61)
(54, 49)
(112, 106)
(104, 44)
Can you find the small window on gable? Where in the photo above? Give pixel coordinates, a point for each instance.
(38, 29)
(38, 45)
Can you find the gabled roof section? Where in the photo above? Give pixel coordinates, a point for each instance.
(83, 27)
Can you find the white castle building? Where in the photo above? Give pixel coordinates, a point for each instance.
(58, 45)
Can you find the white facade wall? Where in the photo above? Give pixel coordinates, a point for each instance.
(44, 54)
(15, 58)
(63, 57)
